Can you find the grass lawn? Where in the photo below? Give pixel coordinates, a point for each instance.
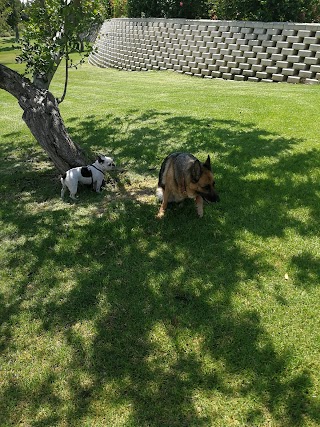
(110, 317)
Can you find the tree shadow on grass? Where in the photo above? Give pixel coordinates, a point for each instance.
(9, 48)
(145, 308)
(259, 166)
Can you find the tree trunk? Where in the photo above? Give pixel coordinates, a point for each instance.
(16, 30)
(42, 116)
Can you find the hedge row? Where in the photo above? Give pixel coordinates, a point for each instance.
(253, 10)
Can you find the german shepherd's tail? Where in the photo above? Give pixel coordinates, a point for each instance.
(161, 182)
(159, 193)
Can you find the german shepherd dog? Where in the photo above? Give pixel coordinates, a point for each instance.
(183, 176)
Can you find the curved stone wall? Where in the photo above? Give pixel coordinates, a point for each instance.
(239, 50)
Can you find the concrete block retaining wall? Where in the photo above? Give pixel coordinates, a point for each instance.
(234, 50)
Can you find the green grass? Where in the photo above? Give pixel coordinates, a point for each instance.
(110, 317)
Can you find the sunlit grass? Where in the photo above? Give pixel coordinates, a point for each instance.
(110, 317)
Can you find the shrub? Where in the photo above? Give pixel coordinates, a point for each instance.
(118, 8)
(253, 10)
(267, 10)
(190, 9)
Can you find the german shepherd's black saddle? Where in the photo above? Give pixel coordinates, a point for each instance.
(86, 172)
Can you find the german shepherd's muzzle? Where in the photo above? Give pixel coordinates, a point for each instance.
(183, 176)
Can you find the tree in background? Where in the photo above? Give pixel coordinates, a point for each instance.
(14, 17)
(54, 29)
(190, 9)
(267, 10)
(118, 8)
(5, 11)
(253, 10)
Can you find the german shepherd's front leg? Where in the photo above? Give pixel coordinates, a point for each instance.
(164, 203)
(199, 205)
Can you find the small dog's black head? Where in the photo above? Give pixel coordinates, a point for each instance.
(106, 163)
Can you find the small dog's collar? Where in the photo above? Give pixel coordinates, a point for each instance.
(93, 166)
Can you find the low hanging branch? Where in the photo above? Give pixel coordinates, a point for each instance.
(42, 116)
(66, 76)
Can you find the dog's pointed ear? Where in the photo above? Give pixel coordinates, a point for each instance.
(207, 164)
(196, 171)
(100, 158)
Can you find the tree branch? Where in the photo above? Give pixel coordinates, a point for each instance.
(13, 82)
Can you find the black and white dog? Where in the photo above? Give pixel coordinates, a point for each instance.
(90, 175)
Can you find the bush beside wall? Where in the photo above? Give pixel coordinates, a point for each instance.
(190, 9)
